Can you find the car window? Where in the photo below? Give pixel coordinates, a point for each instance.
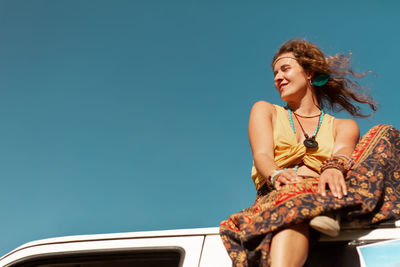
(143, 258)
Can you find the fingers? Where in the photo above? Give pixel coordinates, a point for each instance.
(283, 179)
(335, 181)
(277, 185)
(322, 186)
(335, 188)
(290, 175)
(286, 177)
(343, 186)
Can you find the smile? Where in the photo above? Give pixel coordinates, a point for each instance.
(282, 85)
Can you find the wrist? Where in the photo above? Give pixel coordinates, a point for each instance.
(275, 173)
(339, 162)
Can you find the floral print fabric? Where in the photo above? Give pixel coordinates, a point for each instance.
(373, 196)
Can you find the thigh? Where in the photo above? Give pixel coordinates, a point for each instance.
(289, 247)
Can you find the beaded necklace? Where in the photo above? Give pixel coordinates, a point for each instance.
(309, 142)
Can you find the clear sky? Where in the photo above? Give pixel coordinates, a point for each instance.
(119, 116)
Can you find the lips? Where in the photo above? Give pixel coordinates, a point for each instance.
(282, 85)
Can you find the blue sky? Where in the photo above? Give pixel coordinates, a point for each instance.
(120, 116)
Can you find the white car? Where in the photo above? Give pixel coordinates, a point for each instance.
(185, 248)
(189, 247)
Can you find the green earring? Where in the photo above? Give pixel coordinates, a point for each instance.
(321, 79)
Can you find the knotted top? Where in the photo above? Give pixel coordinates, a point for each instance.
(288, 152)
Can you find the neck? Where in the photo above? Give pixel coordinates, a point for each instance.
(306, 106)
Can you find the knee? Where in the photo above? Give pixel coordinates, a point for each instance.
(295, 232)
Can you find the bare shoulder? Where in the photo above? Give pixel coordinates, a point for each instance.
(348, 123)
(261, 123)
(346, 127)
(263, 107)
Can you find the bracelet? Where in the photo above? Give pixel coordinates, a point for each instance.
(295, 168)
(339, 162)
(275, 173)
(341, 156)
(278, 171)
(349, 161)
(333, 162)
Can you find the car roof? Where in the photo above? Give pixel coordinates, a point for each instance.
(117, 236)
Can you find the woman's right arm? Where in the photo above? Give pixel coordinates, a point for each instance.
(262, 118)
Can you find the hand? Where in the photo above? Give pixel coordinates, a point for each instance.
(285, 177)
(335, 180)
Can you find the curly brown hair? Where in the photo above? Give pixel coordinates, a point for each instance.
(340, 91)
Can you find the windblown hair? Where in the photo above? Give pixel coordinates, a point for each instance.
(340, 92)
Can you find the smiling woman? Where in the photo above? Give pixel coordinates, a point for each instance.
(308, 167)
(328, 75)
(288, 70)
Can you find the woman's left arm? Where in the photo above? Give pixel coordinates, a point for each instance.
(346, 134)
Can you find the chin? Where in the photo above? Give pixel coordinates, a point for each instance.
(288, 96)
(285, 98)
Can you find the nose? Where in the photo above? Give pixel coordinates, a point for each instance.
(278, 78)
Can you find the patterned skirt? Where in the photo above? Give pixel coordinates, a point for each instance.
(373, 196)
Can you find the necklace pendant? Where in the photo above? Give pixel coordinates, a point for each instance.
(310, 142)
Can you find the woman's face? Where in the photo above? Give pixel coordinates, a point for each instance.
(289, 77)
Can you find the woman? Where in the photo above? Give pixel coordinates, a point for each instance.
(303, 161)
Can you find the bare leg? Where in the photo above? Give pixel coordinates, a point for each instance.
(289, 247)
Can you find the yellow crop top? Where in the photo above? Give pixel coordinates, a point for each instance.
(288, 152)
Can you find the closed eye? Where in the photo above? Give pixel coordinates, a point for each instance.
(283, 68)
